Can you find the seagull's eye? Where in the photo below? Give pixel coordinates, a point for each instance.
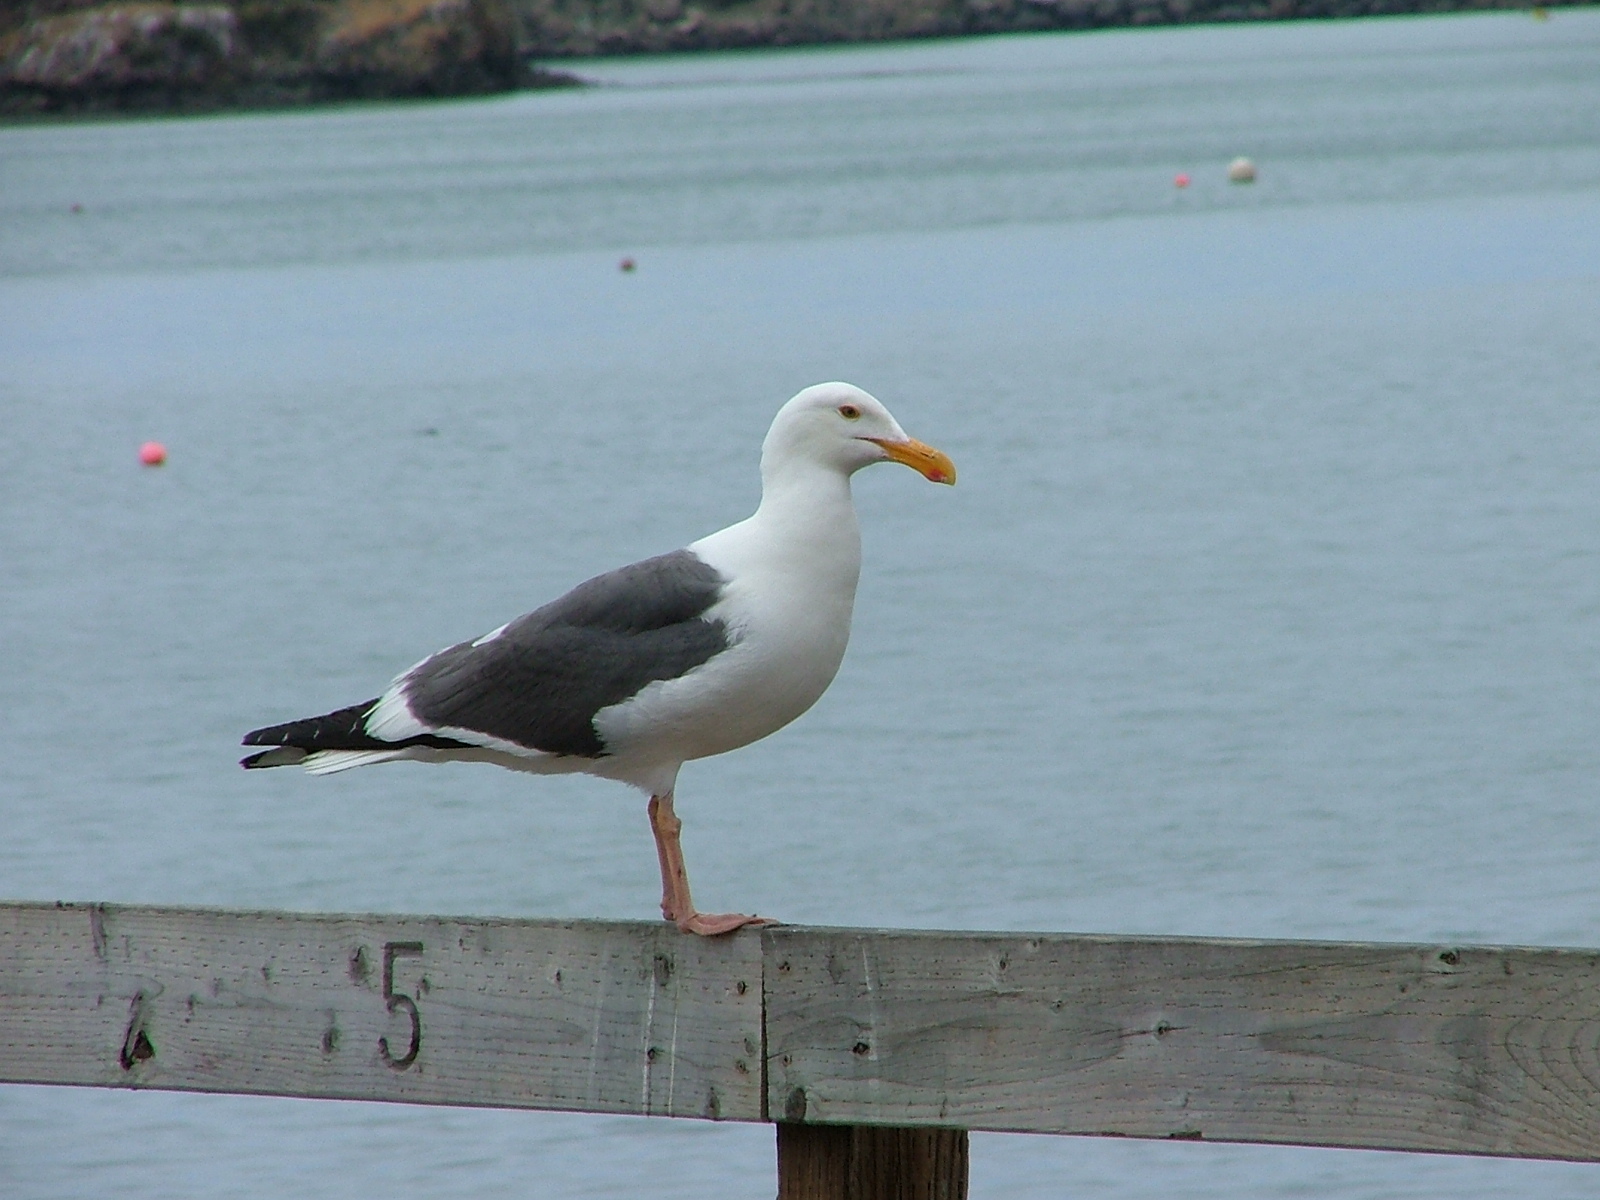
(849, 412)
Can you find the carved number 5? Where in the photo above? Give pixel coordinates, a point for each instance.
(399, 1000)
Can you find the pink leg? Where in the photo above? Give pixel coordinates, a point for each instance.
(676, 904)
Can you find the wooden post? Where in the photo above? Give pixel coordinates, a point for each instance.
(867, 1162)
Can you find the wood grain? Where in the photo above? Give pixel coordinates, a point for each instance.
(868, 1162)
(1478, 1050)
(585, 1015)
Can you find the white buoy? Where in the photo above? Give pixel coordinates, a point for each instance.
(1241, 170)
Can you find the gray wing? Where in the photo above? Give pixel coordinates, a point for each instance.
(540, 681)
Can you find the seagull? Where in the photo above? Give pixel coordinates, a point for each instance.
(636, 672)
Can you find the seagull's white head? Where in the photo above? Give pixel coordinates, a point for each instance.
(839, 426)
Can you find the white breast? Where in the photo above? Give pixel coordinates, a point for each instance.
(787, 606)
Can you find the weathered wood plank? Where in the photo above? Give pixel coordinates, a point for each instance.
(586, 1015)
(1491, 1050)
(1484, 1050)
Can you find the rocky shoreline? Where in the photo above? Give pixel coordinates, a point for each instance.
(75, 56)
(575, 28)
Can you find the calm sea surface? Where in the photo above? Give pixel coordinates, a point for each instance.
(1268, 605)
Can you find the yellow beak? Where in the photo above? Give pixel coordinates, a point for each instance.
(919, 456)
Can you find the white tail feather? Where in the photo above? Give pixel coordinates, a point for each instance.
(326, 762)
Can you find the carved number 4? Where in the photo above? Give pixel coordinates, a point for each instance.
(399, 1000)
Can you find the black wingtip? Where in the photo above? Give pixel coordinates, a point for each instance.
(342, 729)
(272, 735)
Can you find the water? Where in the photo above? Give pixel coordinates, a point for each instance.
(1268, 603)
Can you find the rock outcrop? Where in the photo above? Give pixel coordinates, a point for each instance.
(416, 48)
(165, 55)
(125, 49)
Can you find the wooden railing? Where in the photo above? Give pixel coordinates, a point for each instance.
(874, 1050)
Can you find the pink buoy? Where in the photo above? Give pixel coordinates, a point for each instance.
(1181, 180)
(152, 454)
(626, 264)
